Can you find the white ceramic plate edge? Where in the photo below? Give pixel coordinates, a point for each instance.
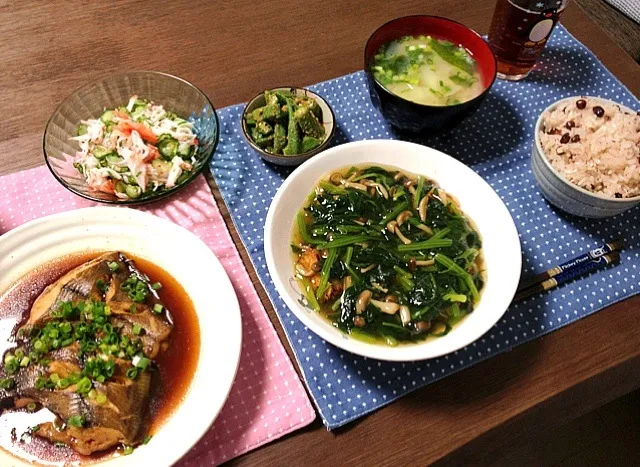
(208, 390)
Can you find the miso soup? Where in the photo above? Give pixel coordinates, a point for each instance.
(427, 71)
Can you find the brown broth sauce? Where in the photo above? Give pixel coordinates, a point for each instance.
(176, 365)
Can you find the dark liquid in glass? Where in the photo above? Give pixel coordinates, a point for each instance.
(519, 31)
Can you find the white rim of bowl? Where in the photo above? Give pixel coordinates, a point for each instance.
(560, 176)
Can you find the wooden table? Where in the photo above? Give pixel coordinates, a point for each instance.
(232, 50)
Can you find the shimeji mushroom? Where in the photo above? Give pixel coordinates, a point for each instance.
(389, 308)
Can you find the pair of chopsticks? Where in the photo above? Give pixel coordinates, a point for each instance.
(580, 266)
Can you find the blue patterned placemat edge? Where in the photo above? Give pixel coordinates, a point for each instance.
(235, 150)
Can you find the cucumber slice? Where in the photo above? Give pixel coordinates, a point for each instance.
(120, 187)
(107, 116)
(185, 150)
(100, 152)
(133, 191)
(168, 148)
(113, 158)
(161, 167)
(81, 130)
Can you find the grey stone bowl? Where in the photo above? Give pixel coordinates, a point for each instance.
(565, 195)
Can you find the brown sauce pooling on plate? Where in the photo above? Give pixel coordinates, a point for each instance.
(176, 365)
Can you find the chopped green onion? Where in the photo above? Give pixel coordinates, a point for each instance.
(101, 398)
(64, 383)
(147, 439)
(137, 329)
(12, 366)
(113, 266)
(132, 308)
(157, 308)
(156, 286)
(31, 406)
(76, 421)
(24, 362)
(132, 373)
(6, 383)
(127, 450)
(102, 285)
(84, 385)
(40, 383)
(141, 362)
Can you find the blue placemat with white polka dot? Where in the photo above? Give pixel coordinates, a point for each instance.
(496, 142)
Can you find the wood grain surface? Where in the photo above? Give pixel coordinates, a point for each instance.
(234, 49)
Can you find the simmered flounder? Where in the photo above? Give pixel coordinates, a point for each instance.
(86, 352)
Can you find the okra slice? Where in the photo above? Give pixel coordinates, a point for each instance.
(283, 96)
(293, 132)
(312, 104)
(260, 139)
(279, 138)
(272, 112)
(264, 128)
(308, 122)
(255, 116)
(270, 98)
(309, 143)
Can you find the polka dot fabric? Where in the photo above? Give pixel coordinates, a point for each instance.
(267, 399)
(496, 142)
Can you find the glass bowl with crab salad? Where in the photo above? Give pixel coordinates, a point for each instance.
(131, 138)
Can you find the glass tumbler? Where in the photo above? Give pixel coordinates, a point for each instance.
(519, 31)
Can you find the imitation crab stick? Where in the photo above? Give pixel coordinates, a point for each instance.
(127, 126)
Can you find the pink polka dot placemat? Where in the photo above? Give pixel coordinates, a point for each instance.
(267, 399)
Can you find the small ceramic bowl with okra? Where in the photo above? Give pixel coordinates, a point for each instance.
(288, 125)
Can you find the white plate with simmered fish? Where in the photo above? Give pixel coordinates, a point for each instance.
(396, 251)
(120, 335)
